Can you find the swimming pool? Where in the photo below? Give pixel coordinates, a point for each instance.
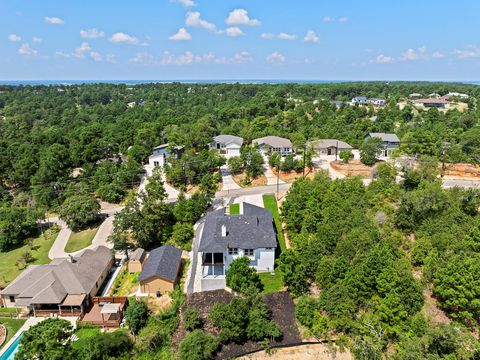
(12, 349)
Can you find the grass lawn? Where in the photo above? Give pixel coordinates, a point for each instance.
(235, 209)
(125, 283)
(270, 203)
(12, 326)
(40, 247)
(271, 283)
(84, 333)
(80, 239)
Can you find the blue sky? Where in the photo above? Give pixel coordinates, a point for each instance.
(241, 39)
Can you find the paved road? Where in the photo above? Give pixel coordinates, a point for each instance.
(474, 184)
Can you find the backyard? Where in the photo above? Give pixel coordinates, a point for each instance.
(12, 326)
(125, 283)
(272, 282)
(270, 203)
(11, 262)
(80, 239)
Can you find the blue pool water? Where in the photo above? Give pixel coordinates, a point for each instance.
(12, 349)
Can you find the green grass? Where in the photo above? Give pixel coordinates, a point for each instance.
(84, 333)
(80, 239)
(270, 203)
(235, 209)
(12, 326)
(124, 283)
(40, 247)
(271, 283)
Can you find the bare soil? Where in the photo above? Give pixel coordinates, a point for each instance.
(259, 181)
(462, 171)
(291, 176)
(304, 352)
(3, 334)
(354, 167)
(157, 305)
(432, 311)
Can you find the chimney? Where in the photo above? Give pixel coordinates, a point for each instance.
(224, 230)
(70, 259)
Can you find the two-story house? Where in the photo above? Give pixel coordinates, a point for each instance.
(227, 145)
(161, 154)
(227, 237)
(269, 144)
(391, 142)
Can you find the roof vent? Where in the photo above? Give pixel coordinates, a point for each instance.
(70, 259)
(224, 230)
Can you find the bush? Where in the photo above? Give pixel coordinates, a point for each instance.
(106, 346)
(241, 276)
(305, 310)
(198, 345)
(191, 319)
(79, 210)
(136, 315)
(346, 156)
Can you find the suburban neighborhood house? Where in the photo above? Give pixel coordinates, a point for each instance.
(161, 154)
(64, 287)
(439, 103)
(270, 144)
(227, 145)
(137, 260)
(330, 146)
(227, 237)
(359, 100)
(391, 142)
(160, 273)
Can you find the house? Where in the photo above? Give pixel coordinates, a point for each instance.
(330, 146)
(440, 103)
(228, 145)
(414, 95)
(137, 260)
(64, 287)
(339, 104)
(160, 273)
(391, 142)
(359, 100)
(226, 237)
(161, 154)
(376, 102)
(270, 144)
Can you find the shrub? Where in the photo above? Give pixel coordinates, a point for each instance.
(198, 345)
(305, 310)
(241, 276)
(191, 318)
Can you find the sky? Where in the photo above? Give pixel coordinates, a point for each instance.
(240, 40)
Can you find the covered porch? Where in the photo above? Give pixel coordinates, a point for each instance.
(106, 312)
(213, 265)
(72, 305)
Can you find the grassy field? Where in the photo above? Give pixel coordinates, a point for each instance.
(40, 247)
(270, 203)
(125, 283)
(84, 333)
(12, 326)
(235, 209)
(271, 283)
(80, 239)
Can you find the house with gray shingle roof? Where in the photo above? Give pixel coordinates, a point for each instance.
(278, 144)
(391, 142)
(226, 237)
(227, 145)
(330, 146)
(160, 272)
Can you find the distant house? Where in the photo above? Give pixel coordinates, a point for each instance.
(270, 144)
(330, 146)
(137, 260)
(391, 142)
(359, 100)
(228, 145)
(376, 102)
(161, 154)
(227, 237)
(414, 95)
(64, 287)
(160, 272)
(440, 103)
(339, 104)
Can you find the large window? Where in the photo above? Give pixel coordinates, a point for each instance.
(233, 251)
(248, 252)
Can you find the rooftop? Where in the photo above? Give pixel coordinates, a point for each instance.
(273, 141)
(163, 262)
(326, 143)
(228, 139)
(385, 137)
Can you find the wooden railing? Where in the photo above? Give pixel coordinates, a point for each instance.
(50, 313)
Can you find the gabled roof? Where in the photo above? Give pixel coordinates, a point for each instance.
(139, 255)
(273, 141)
(252, 229)
(385, 137)
(163, 262)
(359, 98)
(326, 143)
(228, 139)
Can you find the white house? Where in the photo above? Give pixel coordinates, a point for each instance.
(376, 102)
(227, 237)
(227, 145)
(161, 154)
(359, 100)
(270, 144)
(391, 142)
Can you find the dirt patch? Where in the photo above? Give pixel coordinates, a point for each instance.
(259, 181)
(462, 171)
(3, 334)
(432, 311)
(157, 305)
(354, 167)
(304, 352)
(280, 305)
(291, 176)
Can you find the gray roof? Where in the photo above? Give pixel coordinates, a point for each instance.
(326, 143)
(139, 255)
(228, 139)
(163, 262)
(51, 283)
(385, 137)
(273, 141)
(252, 229)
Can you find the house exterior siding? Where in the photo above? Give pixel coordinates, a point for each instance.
(134, 266)
(154, 285)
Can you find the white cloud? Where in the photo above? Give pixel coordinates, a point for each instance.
(142, 58)
(36, 39)
(328, 19)
(91, 34)
(471, 52)
(111, 58)
(54, 20)
(438, 55)
(121, 37)
(276, 58)
(184, 59)
(411, 55)
(267, 36)
(26, 51)
(234, 31)
(286, 36)
(186, 3)
(189, 58)
(96, 56)
(311, 36)
(343, 19)
(240, 17)
(181, 35)
(239, 58)
(194, 19)
(14, 38)
(82, 50)
(384, 59)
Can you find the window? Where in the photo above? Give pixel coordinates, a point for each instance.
(12, 298)
(248, 252)
(233, 251)
(156, 164)
(268, 248)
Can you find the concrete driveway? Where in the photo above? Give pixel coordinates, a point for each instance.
(227, 180)
(271, 177)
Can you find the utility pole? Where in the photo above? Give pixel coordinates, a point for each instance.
(336, 151)
(184, 175)
(278, 178)
(304, 155)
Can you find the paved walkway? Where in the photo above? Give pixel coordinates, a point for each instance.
(227, 180)
(271, 177)
(256, 199)
(194, 275)
(172, 193)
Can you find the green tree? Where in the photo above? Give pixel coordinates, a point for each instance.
(79, 210)
(370, 149)
(198, 345)
(136, 315)
(182, 235)
(346, 156)
(191, 318)
(235, 164)
(16, 225)
(242, 277)
(105, 346)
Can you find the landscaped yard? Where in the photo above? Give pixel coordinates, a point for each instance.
(270, 203)
(84, 333)
(80, 239)
(12, 326)
(125, 283)
(235, 209)
(40, 247)
(272, 282)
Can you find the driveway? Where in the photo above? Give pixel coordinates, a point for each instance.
(194, 275)
(172, 193)
(227, 180)
(271, 177)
